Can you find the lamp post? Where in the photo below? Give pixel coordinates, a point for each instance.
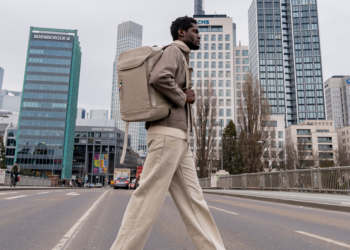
(222, 144)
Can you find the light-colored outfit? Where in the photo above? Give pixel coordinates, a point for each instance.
(169, 167)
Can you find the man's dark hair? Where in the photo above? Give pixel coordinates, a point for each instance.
(181, 23)
(16, 162)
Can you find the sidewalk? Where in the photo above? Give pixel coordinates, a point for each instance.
(333, 202)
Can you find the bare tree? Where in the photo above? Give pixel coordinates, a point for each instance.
(204, 118)
(301, 155)
(253, 118)
(341, 158)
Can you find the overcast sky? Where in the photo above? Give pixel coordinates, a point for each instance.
(97, 21)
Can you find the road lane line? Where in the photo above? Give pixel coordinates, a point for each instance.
(15, 197)
(9, 193)
(324, 239)
(44, 193)
(223, 210)
(64, 242)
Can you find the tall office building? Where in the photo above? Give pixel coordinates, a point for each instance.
(285, 54)
(337, 91)
(199, 7)
(2, 71)
(214, 62)
(81, 113)
(240, 73)
(45, 137)
(129, 37)
(234, 34)
(99, 114)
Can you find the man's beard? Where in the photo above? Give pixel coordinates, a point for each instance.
(193, 46)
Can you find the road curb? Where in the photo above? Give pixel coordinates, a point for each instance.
(21, 189)
(326, 206)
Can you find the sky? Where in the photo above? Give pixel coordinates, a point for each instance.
(97, 22)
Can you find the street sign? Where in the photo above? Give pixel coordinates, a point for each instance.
(86, 178)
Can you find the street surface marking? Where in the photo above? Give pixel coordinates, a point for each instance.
(72, 194)
(15, 197)
(345, 203)
(9, 193)
(44, 193)
(64, 242)
(325, 239)
(223, 210)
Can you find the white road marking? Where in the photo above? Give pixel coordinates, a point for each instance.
(345, 203)
(64, 242)
(73, 194)
(15, 197)
(223, 210)
(325, 239)
(9, 193)
(44, 193)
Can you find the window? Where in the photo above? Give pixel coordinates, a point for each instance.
(206, 46)
(228, 83)
(228, 92)
(206, 65)
(238, 52)
(221, 112)
(245, 61)
(227, 46)
(213, 46)
(324, 139)
(220, 46)
(220, 55)
(238, 69)
(221, 102)
(238, 61)
(228, 73)
(220, 37)
(199, 65)
(303, 132)
(221, 74)
(228, 102)
(228, 64)
(227, 37)
(213, 64)
(221, 83)
(280, 134)
(245, 68)
(221, 92)
(228, 112)
(206, 55)
(199, 55)
(213, 38)
(280, 144)
(227, 55)
(213, 55)
(206, 37)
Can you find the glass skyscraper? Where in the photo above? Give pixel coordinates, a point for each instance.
(285, 54)
(199, 7)
(129, 37)
(45, 137)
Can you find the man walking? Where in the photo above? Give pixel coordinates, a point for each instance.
(15, 171)
(170, 164)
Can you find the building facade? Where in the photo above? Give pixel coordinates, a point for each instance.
(129, 37)
(344, 140)
(98, 145)
(285, 54)
(45, 138)
(2, 72)
(199, 7)
(10, 100)
(99, 114)
(214, 62)
(81, 113)
(337, 91)
(240, 73)
(314, 143)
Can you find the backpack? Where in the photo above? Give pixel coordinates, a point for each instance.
(139, 100)
(15, 169)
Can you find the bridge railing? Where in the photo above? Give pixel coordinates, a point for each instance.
(335, 179)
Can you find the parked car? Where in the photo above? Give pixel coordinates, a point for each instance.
(92, 185)
(98, 185)
(121, 182)
(132, 184)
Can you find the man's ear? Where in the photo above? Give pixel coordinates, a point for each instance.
(181, 33)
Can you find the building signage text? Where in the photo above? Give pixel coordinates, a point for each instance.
(203, 22)
(348, 80)
(48, 37)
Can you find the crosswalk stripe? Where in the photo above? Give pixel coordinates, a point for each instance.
(15, 197)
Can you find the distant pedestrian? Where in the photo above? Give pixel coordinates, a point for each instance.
(71, 182)
(64, 182)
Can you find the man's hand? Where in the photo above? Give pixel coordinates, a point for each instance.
(190, 96)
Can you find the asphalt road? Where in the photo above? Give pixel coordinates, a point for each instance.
(41, 220)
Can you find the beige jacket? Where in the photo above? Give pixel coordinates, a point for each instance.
(169, 78)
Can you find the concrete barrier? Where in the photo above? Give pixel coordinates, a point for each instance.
(29, 181)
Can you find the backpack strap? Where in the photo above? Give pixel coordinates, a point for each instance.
(125, 142)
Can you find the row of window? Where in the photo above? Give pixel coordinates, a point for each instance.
(220, 92)
(312, 116)
(44, 105)
(44, 114)
(311, 108)
(51, 44)
(244, 69)
(34, 123)
(12, 133)
(39, 151)
(45, 96)
(220, 55)
(214, 47)
(316, 79)
(48, 70)
(213, 73)
(222, 112)
(41, 132)
(97, 135)
(47, 78)
(210, 29)
(213, 38)
(303, 2)
(46, 87)
(39, 161)
(50, 52)
(97, 141)
(213, 83)
(37, 142)
(213, 65)
(49, 61)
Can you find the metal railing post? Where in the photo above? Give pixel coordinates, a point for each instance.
(319, 176)
(287, 181)
(312, 181)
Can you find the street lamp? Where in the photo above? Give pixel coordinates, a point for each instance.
(222, 144)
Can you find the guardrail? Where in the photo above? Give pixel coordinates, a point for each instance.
(335, 179)
(28, 181)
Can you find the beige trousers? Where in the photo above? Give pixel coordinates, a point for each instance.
(169, 167)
